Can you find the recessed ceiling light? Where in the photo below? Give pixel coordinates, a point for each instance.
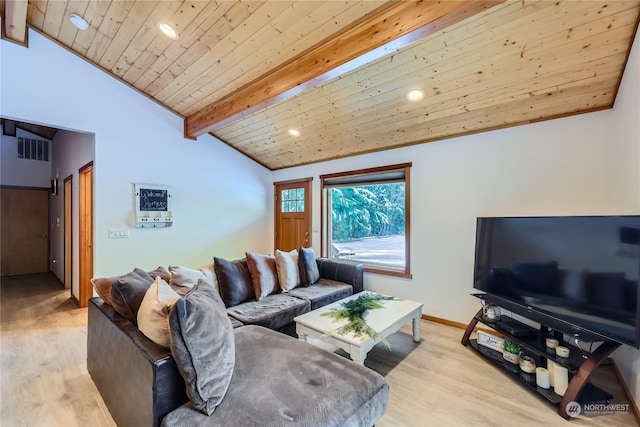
(294, 132)
(168, 30)
(78, 21)
(415, 95)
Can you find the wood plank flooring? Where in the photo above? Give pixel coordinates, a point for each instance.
(437, 382)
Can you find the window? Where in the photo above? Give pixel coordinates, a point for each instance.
(292, 200)
(33, 149)
(366, 218)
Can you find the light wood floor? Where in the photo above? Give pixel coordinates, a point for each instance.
(438, 382)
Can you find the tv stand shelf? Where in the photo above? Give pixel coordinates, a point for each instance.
(580, 368)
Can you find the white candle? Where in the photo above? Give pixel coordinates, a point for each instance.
(561, 380)
(562, 351)
(551, 367)
(542, 377)
(552, 342)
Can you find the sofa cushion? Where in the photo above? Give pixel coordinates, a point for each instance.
(183, 279)
(128, 291)
(263, 274)
(234, 281)
(288, 271)
(153, 315)
(280, 381)
(103, 285)
(309, 273)
(323, 292)
(273, 311)
(202, 344)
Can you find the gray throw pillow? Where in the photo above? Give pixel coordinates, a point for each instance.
(308, 266)
(203, 346)
(128, 292)
(234, 281)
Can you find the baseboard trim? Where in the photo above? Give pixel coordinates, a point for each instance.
(457, 324)
(76, 300)
(627, 392)
(632, 403)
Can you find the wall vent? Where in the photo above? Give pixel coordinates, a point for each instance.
(33, 149)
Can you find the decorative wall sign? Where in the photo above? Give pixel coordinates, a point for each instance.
(490, 341)
(153, 206)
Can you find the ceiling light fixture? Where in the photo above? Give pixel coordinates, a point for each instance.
(168, 30)
(415, 95)
(78, 21)
(294, 132)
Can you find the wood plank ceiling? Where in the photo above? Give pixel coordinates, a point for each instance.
(482, 66)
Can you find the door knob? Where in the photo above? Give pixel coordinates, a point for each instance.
(44, 236)
(306, 240)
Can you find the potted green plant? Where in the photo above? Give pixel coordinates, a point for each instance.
(511, 351)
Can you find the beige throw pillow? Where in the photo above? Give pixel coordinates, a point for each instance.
(287, 267)
(183, 279)
(153, 315)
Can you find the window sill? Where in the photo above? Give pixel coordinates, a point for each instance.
(387, 272)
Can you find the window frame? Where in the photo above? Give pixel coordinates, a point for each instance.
(368, 176)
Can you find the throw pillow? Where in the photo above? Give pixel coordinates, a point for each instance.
(210, 274)
(308, 267)
(263, 274)
(103, 285)
(183, 279)
(234, 281)
(160, 271)
(128, 291)
(203, 346)
(287, 267)
(153, 315)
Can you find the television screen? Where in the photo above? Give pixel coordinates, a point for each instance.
(578, 275)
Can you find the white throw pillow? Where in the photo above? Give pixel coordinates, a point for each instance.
(153, 315)
(183, 279)
(287, 268)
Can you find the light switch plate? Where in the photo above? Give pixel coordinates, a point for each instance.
(118, 233)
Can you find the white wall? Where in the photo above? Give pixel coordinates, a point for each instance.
(71, 151)
(221, 198)
(625, 169)
(22, 172)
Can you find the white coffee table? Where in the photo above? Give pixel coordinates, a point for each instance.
(385, 321)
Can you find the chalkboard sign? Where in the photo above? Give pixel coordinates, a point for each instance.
(154, 200)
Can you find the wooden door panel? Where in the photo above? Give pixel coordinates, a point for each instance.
(24, 231)
(293, 214)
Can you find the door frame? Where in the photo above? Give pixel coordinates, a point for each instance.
(307, 182)
(85, 221)
(67, 196)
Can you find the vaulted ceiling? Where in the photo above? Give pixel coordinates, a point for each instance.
(338, 71)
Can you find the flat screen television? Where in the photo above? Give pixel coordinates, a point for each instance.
(576, 275)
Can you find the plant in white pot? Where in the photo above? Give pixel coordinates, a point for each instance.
(511, 351)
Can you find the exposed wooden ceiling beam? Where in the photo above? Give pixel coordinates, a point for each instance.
(15, 21)
(388, 29)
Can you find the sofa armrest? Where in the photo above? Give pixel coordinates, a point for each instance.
(342, 271)
(138, 379)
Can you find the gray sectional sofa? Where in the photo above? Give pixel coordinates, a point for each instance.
(277, 380)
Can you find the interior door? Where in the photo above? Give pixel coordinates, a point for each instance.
(24, 231)
(86, 234)
(68, 236)
(293, 214)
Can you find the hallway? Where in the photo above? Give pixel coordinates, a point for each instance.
(43, 338)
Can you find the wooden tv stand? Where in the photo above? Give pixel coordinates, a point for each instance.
(580, 369)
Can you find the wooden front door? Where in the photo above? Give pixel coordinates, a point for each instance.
(24, 231)
(293, 214)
